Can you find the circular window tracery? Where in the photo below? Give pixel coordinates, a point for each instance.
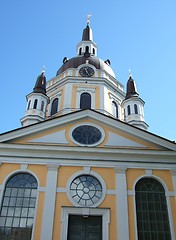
(86, 134)
(86, 190)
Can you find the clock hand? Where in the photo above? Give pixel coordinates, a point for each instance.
(87, 71)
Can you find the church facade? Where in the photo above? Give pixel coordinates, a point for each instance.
(84, 165)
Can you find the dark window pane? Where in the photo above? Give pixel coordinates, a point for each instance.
(54, 106)
(42, 106)
(35, 104)
(135, 109)
(114, 109)
(152, 213)
(128, 110)
(18, 207)
(29, 103)
(85, 101)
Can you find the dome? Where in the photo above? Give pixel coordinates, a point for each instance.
(79, 60)
(40, 85)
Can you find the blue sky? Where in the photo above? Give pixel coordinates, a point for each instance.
(138, 34)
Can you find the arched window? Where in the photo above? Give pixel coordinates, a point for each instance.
(80, 51)
(85, 101)
(42, 106)
(93, 51)
(151, 208)
(128, 110)
(18, 207)
(54, 106)
(29, 103)
(35, 104)
(135, 109)
(87, 48)
(114, 109)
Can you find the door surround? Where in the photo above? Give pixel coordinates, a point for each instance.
(104, 212)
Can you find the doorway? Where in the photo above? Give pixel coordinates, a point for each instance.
(84, 227)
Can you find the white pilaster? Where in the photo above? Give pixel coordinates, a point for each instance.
(122, 204)
(49, 203)
(173, 172)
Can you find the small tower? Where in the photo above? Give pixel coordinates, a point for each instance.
(36, 102)
(87, 47)
(134, 106)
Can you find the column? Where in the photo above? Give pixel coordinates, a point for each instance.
(121, 204)
(49, 203)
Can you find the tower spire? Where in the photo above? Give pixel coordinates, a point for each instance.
(87, 32)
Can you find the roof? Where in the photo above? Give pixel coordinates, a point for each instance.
(131, 89)
(40, 85)
(75, 62)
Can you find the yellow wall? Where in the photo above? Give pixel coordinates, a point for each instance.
(6, 169)
(109, 176)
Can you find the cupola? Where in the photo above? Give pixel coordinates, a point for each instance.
(36, 102)
(133, 106)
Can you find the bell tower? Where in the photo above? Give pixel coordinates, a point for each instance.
(36, 102)
(133, 106)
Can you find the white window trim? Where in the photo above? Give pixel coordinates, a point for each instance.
(105, 213)
(81, 90)
(86, 172)
(150, 175)
(58, 96)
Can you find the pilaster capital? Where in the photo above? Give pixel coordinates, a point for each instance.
(120, 170)
(173, 171)
(53, 167)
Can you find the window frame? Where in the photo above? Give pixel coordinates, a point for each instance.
(91, 173)
(136, 109)
(167, 194)
(2, 190)
(128, 110)
(116, 109)
(88, 97)
(54, 99)
(35, 103)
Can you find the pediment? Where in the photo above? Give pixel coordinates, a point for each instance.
(58, 131)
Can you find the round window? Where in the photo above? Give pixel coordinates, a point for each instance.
(86, 190)
(86, 134)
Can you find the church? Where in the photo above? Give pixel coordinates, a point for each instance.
(84, 165)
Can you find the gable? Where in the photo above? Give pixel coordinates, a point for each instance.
(58, 131)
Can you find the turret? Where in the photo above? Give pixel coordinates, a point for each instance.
(134, 106)
(36, 102)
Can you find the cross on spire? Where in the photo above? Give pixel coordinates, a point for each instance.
(88, 19)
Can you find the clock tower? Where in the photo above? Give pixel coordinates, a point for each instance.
(88, 82)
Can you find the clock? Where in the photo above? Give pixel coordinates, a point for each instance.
(86, 71)
(86, 135)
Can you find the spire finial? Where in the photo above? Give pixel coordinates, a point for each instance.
(43, 69)
(88, 19)
(130, 73)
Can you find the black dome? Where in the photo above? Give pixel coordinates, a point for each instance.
(40, 85)
(131, 89)
(93, 60)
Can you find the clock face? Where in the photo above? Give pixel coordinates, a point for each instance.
(86, 135)
(86, 71)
